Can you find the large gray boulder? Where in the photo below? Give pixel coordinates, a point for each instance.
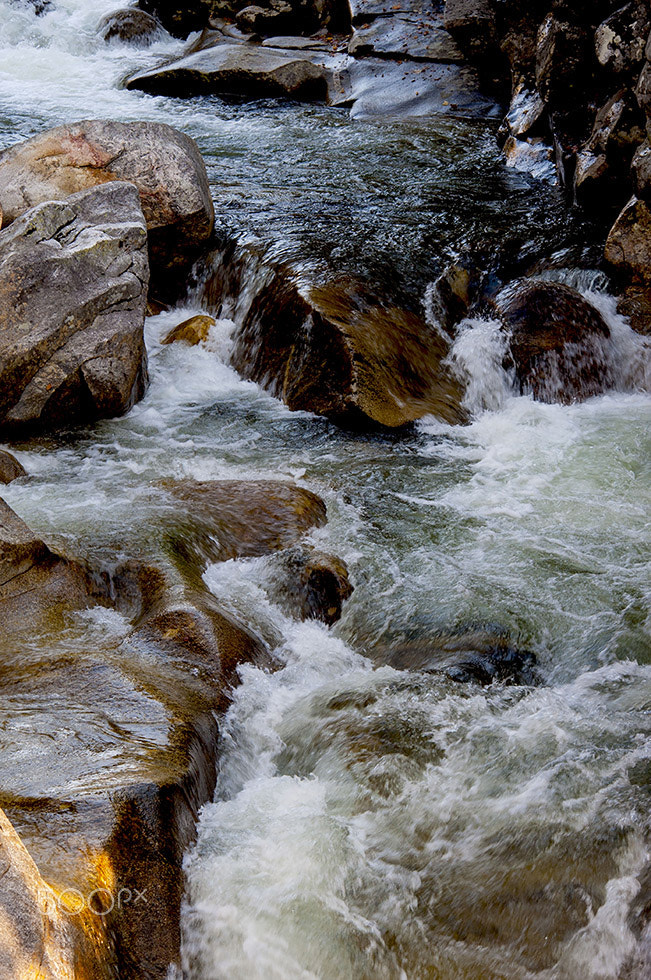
(73, 290)
(164, 164)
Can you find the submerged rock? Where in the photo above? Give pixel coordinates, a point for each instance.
(194, 331)
(556, 340)
(309, 584)
(73, 289)
(164, 164)
(10, 468)
(337, 351)
(481, 655)
(130, 26)
(224, 519)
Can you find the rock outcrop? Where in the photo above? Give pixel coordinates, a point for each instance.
(556, 338)
(164, 164)
(73, 289)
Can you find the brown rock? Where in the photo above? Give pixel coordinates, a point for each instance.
(164, 164)
(73, 288)
(309, 584)
(641, 171)
(556, 340)
(336, 351)
(635, 304)
(194, 331)
(37, 938)
(628, 247)
(10, 468)
(225, 519)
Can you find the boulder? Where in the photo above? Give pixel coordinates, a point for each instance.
(130, 26)
(406, 35)
(164, 164)
(564, 62)
(193, 331)
(473, 25)
(643, 90)
(621, 39)
(337, 351)
(37, 938)
(556, 340)
(478, 654)
(635, 305)
(628, 246)
(218, 520)
(73, 289)
(309, 584)
(10, 468)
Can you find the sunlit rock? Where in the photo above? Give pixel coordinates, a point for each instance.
(73, 288)
(163, 163)
(194, 331)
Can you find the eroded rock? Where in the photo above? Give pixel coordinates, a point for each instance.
(556, 340)
(164, 164)
(73, 289)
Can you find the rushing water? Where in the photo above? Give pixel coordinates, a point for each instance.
(371, 822)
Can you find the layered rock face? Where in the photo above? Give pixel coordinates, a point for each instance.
(164, 164)
(73, 290)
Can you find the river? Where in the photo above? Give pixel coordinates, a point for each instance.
(372, 822)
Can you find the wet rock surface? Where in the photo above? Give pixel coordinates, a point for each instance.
(73, 288)
(10, 468)
(163, 163)
(480, 655)
(123, 731)
(556, 340)
(130, 26)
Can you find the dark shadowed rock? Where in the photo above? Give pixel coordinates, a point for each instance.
(556, 340)
(603, 163)
(641, 171)
(563, 61)
(73, 289)
(309, 584)
(164, 164)
(10, 468)
(628, 247)
(180, 19)
(481, 654)
(473, 25)
(621, 39)
(130, 26)
(336, 351)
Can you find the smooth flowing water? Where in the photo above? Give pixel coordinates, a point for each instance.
(372, 822)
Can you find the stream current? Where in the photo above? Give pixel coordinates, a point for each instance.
(370, 822)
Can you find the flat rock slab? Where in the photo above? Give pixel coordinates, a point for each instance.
(73, 290)
(247, 69)
(369, 9)
(406, 36)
